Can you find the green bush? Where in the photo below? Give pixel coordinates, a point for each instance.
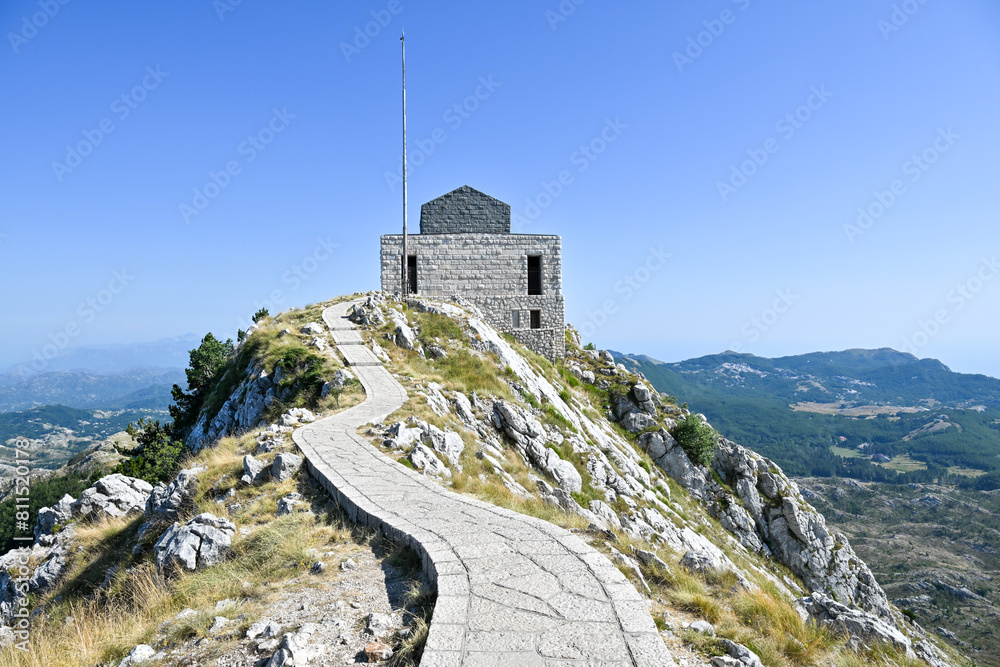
(697, 439)
(207, 364)
(157, 456)
(44, 493)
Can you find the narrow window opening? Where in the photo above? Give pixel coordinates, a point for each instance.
(411, 273)
(536, 319)
(516, 318)
(534, 274)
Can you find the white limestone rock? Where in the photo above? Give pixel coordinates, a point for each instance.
(285, 465)
(202, 541)
(50, 517)
(313, 329)
(861, 626)
(112, 496)
(166, 500)
(448, 443)
(254, 472)
(424, 459)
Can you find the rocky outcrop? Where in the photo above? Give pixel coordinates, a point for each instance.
(167, 500)
(860, 626)
(202, 541)
(50, 517)
(530, 440)
(764, 510)
(112, 496)
(424, 459)
(242, 411)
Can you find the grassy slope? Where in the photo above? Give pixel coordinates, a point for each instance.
(107, 621)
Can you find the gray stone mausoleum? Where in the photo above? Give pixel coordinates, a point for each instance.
(465, 249)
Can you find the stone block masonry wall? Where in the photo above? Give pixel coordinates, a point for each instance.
(491, 271)
(465, 210)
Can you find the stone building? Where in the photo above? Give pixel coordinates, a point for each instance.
(465, 248)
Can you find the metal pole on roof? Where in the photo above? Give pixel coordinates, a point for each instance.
(406, 281)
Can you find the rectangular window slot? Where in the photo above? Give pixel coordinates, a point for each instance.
(516, 318)
(411, 273)
(534, 275)
(536, 319)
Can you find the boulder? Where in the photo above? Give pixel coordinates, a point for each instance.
(403, 435)
(378, 625)
(740, 654)
(405, 338)
(48, 573)
(253, 471)
(424, 459)
(703, 627)
(288, 502)
(113, 496)
(564, 472)
(341, 378)
(463, 408)
(202, 541)
(285, 466)
(138, 655)
(166, 500)
(588, 376)
(634, 422)
(436, 352)
(50, 517)
(448, 443)
(656, 443)
(265, 628)
(313, 329)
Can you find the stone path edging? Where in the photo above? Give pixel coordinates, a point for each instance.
(512, 589)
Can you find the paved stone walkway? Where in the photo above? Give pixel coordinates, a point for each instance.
(512, 590)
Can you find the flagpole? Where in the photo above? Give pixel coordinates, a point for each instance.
(406, 260)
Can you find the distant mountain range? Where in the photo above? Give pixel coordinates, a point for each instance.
(139, 388)
(85, 395)
(165, 353)
(828, 413)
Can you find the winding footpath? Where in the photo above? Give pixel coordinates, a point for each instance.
(512, 590)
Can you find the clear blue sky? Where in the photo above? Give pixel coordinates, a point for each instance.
(666, 120)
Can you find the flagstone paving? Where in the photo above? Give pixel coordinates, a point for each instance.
(512, 589)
